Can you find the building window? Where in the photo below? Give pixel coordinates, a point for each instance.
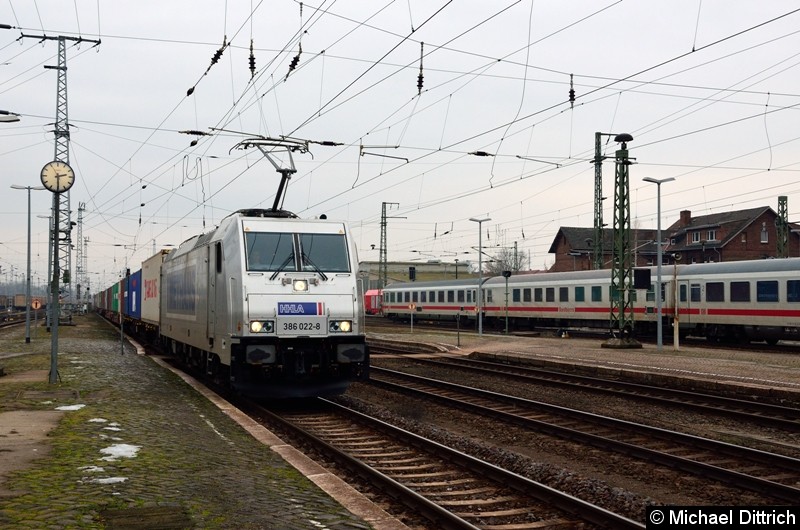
(764, 233)
(712, 235)
(696, 237)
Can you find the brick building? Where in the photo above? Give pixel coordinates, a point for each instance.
(728, 236)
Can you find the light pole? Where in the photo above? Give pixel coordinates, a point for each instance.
(28, 275)
(659, 324)
(480, 272)
(6, 116)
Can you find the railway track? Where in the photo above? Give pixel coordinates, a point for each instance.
(772, 475)
(743, 410)
(451, 489)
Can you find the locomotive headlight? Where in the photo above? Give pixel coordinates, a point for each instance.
(262, 326)
(300, 285)
(340, 326)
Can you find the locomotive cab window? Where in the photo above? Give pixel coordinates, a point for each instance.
(324, 252)
(269, 251)
(282, 251)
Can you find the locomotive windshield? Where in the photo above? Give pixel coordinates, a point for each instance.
(283, 251)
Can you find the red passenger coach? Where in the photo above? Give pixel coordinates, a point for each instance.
(372, 301)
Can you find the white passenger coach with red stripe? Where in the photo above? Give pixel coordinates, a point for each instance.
(744, 300)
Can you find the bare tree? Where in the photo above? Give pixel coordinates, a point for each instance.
(506, 259)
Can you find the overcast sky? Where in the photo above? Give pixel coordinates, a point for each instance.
(708, 89)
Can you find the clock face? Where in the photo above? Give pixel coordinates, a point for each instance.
(57, 176)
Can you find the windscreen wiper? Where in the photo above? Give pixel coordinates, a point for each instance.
(306, 259)
(288, 260)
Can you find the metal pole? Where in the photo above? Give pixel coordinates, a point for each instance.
(28, 278)
(659, 323)
(28, 275)
(480, 272)
(55, 310)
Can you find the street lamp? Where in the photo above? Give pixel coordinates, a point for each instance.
(659, 324)
(7, 116)
(480, 272)
(28, 276)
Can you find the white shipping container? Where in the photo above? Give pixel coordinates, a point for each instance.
(151, 287)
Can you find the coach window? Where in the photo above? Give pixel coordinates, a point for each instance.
(451, 296)
(406, 297)
(550, 294)
(793, 290)
(767, 291)
(423, 296)
(597, 293)
(563, 294)
(650, 296)
(469, 296)
(695, 292)
(715, 292)
(579, 296)
(740, 291)
(526, 295)
(515, 295)
(441, 296)
(432, 296)
(415, 296)
(460, 296)
(537, 294)
(488, 294)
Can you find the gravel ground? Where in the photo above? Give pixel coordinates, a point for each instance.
(619, 484)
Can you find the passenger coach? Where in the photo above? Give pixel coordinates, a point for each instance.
(745, 300)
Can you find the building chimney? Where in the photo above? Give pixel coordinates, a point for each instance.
(686, 218)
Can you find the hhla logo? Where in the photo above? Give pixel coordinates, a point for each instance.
(300, 308)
